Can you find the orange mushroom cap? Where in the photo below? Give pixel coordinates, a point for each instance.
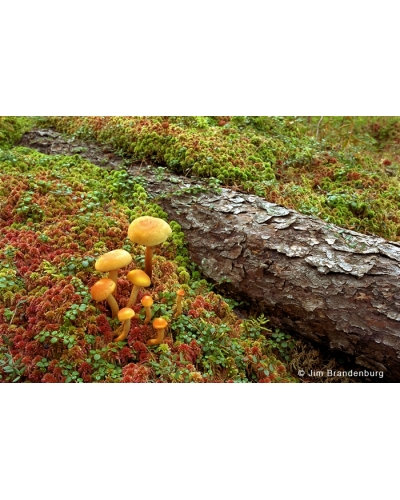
(138, 278)
(147, 301)
(149, 231)
(159, 323)
(126, 313)
(113, 260)
(102, 289)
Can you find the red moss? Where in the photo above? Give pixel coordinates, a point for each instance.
(135, 373)
(85, 369)
(141, 350)
(124, 355)
(104, 328)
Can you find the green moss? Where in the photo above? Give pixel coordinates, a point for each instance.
(332, 168)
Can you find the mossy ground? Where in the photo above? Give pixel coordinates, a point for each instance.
(344, 170)
(58, 214)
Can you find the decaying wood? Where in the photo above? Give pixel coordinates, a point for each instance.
(330, 285)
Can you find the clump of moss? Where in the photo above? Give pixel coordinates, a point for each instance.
(12, 129)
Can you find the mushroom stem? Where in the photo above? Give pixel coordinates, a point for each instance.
(148, 315)
(147, 261)
(179, 297)
(113, 304)
(113, 275)
(126, 326)
(160, 337)
(132, 299)
(159, 325)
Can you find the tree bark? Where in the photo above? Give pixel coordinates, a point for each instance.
(313, 279)
(327, 284)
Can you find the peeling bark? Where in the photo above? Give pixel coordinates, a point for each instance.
(325, 283)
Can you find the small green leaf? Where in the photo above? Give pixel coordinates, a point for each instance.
(97, 357)
(53, 340)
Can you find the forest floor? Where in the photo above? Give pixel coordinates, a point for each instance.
(51, 142)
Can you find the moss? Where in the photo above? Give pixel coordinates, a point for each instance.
(279, 158)
(58, 214)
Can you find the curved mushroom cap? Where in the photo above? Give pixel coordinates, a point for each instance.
(159, 323)
(125, 313)
(180, 292)
(147, 301)
(113, 260)
(138, 277)
(149, 231)
(102, 289)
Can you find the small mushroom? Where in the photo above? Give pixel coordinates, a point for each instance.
(110, 262)
(159, 325)
(103, 290)
(179, 297)
(125, 315)
(149, 231)
(138, 278)
(147, 302)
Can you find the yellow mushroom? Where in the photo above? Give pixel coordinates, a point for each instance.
(110, 262)
(149, 232)
(103, 290)
(147, 302)
(138, 278)
(125, 315)
(179, 297)
(159, 325)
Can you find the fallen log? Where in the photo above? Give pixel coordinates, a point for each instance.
(330, 285)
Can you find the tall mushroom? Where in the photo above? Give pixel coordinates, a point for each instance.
(149, 232)
(179, 297)
(138, 278)
(159, 325)
(103, 290)
(110, 262)
(125, 315)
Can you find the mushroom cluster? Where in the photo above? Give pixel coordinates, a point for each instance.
(149, 232)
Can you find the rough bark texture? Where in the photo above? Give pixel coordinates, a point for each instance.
(327, 284)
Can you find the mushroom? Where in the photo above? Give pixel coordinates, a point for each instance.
(159, 325)
(149, 231)
(179, 297)
(147, 302)
(138, 278)
(125, 315)
(112, 261)
(103, 290)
